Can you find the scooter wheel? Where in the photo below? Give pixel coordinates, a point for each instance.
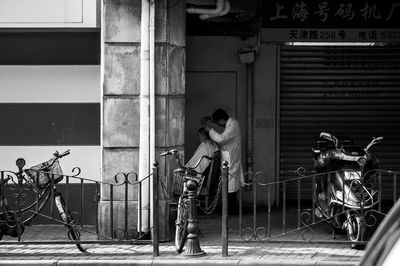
(355, 231)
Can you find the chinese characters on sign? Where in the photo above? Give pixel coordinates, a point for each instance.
(314, 35)
(330, 35)
(332, 14)
(341, 35)
(332, 20)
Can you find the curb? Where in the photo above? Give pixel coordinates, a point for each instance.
(106, 262)
(28, 262)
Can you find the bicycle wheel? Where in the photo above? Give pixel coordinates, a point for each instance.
(69, 221)
(181, 223)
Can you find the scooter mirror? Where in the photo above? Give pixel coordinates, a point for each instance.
(329, 137)
(325, 135)
(374, 141)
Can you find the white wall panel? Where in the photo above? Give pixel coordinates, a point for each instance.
(88, 158)
(48, 13)
(38, 84)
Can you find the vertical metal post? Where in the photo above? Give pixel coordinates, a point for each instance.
(140, 209)
(224, 233)
(343, 193)
(67, 193)
(298, 202)
(313, 192)
(38, 192)
(380, 192)
(254, 184)
(192, 243)
(2, 191)
(362, 217)
(155, 211)
(82, 203)
(269, 212)
(284, 206)
(126, 206)
(52, 202)
(112, 210)
(20, 164)
(97, 197)
(240, 212)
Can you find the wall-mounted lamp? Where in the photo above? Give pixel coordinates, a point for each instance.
(247, 56)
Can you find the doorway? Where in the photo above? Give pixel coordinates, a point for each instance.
(205, 92)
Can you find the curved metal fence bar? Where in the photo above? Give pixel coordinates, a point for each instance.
(29, 196)
(297, 218)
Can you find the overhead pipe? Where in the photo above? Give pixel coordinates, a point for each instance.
(218, 9)
(226, 10)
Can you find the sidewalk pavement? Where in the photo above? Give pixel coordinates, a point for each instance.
(239, 252)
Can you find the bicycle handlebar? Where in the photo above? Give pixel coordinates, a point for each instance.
(169, 152)
(58, 155)
(51, 161)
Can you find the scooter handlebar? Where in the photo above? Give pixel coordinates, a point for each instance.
(374, 141)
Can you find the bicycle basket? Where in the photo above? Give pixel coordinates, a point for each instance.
(41, 174)
(179, 179)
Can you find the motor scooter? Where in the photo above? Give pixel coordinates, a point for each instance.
(346, 188)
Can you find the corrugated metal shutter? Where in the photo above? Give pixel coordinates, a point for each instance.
(347, 91)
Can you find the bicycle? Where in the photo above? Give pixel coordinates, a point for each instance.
(181, 176)
(42, 180)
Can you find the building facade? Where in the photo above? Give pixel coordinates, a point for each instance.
(287, 71)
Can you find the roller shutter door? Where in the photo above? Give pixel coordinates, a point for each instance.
(347, 91)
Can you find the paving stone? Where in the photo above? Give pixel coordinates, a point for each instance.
(240, 253)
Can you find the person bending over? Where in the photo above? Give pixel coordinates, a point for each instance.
(230, 143)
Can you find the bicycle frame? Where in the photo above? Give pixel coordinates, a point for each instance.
(42, 181)
(186, 203)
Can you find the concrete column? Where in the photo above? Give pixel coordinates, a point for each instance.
(121, 101)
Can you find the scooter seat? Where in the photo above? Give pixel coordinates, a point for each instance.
(352, 151)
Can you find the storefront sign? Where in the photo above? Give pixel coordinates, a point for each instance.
(332, 14)
(330, 35)
(332, 20)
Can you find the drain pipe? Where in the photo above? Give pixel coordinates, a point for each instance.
(226, 10)
(152, 93)
(144, 128)
(250, 116)
(247, 56)
(218, 9)
(152, 83)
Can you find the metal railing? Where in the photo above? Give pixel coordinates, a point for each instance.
(74, 202)
(296, 213)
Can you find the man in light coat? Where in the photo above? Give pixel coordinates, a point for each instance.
(230, 143)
